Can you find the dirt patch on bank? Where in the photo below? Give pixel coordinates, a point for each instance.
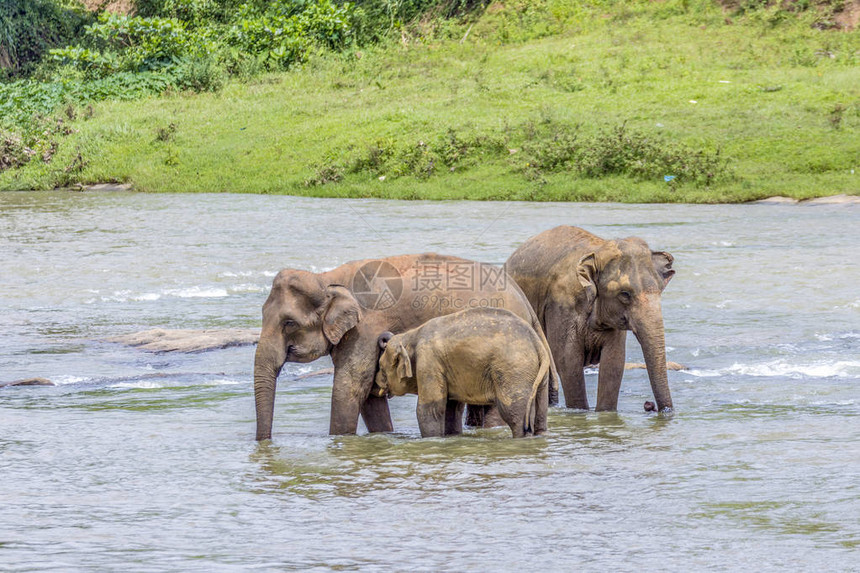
(849, 17)
(117, 6)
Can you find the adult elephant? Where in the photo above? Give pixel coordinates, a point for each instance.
(587, 293)
(342, 312)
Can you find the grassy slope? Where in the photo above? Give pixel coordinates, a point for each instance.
(764, 96)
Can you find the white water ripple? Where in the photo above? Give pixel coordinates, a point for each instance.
(785, 369)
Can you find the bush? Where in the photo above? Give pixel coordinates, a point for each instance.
(135, 44)
(13, 151)
(282, 33)
(202, 74)
(623, 152)
(29, 28)
(376, 19)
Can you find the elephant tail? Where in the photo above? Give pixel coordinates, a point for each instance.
(537, 385)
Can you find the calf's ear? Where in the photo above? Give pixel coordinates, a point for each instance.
(404, 364)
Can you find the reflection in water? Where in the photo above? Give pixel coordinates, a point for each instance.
(148, 461)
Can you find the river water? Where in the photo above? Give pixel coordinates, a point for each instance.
(147, 462)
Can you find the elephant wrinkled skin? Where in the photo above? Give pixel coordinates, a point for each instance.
(342, 312)
(588, 292)
(479, 356)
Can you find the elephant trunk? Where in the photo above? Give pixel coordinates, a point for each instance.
(268, 361)
(648, 328)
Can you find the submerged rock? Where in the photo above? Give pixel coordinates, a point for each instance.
(669, 366)
(29, 382)
(777, 200)
(108, 187)
(164, 340)
(321, 372)
(833, 200)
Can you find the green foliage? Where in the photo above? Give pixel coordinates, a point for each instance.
(282, 34)
(548, 148)
(21, 100)
(29, 28)
(13, 151)
(201, 74)
(376, 19)
(621, 151)
(41, 141)
(134, 44)
(530, 99)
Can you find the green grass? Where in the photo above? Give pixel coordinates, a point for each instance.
(779, 101)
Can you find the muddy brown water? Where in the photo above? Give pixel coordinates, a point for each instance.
(146, 462)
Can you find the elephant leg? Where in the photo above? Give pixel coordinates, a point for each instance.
(354, 367)
(493, 417)
(569, 353)
(571, 365)
(542, 409)
(432, 399)
(552, 395)
(454, 418)
(573, 383)
(431, 418)
(611, 370)
(513, 415)
(475, 415)
(376, 415)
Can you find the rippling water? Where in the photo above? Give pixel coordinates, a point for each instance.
(146, 462)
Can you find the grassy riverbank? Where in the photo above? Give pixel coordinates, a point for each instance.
(577, 106)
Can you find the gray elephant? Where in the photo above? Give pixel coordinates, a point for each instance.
(341, 312)
(480, 356)
(588, 292)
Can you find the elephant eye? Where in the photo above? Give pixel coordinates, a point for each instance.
(625, 297)
(290, 323)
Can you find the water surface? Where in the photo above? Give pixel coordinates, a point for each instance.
(147, 462)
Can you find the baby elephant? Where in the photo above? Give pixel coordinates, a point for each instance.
(480, 356)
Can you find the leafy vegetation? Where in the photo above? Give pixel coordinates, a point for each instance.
(680, 100)
(28, 29)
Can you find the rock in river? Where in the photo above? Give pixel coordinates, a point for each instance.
(669, 366)
(29, 382)
(163, 340)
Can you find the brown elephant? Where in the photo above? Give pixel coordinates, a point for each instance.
(588, 292)
(341, 312)
(479, 356)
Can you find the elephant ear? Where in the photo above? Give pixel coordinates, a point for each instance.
(663, 264)
(404, 364)
(342, 313)
(586, 272)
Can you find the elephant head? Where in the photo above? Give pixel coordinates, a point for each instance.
(623, 281)
(302, 319)
(395, 367)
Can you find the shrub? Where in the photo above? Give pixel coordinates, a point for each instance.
(135, 44)
(282, 33)
(620, 151)
(29, 28)
(202, 74)
(13, 151)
